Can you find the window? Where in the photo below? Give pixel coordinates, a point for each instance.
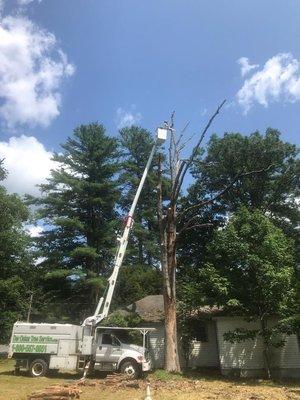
(106, 339)
(198, 330)
(201, 332)
(109, 339)
(115, 341)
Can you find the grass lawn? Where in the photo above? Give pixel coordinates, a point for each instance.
(164, 387)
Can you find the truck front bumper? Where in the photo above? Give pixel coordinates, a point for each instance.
(146, 366)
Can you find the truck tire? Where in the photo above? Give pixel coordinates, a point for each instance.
(131, 369)
(38, 367)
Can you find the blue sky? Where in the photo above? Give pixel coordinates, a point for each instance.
(138, 60)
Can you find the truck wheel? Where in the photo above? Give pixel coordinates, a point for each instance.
(38, 368)
(131, 369)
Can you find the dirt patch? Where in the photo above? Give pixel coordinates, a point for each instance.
(195, 389)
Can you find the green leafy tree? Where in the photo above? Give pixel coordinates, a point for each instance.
(16, 273)
(274, 189)
(77, 207)
(254, 261)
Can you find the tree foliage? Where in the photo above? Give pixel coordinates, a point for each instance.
(135, 146)
(140, 275)
(274, 189)
(95, 180)
(135, 282)
(255, 262)
(78, 207)
(16, 272)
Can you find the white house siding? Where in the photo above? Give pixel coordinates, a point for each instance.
(205, 354)
(286, 360)
(156, 346)
(246, 358)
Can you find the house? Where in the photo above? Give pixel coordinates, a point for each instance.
(209, 349)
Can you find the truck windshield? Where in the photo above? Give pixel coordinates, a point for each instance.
(110, 339)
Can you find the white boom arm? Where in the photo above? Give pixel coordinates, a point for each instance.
(103, 306)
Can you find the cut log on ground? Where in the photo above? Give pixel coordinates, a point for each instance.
(63, 392)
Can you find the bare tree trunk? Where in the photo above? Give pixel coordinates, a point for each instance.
(167, 230)
(171, 346)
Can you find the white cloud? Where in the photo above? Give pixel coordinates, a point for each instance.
(25, 2)
(127, 118)
(34, 230)
(32, 69)
(246, 67)
(278, 80)
(28, 163)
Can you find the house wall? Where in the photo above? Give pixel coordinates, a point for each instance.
(203, 354)
(246, 358)
(286, 360)
(156, 345)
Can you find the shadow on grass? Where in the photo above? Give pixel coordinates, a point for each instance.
(213, 374)
(69, 376)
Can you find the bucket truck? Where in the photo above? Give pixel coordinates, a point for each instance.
(40, 347)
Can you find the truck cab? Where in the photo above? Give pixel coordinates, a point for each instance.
(111, 354)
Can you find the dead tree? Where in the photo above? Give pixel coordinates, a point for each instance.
(168, 219)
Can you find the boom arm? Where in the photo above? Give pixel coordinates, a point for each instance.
(103, 306)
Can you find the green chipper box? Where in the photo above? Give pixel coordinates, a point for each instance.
(39, 347)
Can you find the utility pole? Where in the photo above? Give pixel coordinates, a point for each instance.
(30, 307)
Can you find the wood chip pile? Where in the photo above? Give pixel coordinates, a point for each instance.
(72, 391)
(120, 381)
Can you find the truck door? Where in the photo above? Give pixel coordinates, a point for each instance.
(109, 349)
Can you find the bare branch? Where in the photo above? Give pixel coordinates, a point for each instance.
(172, 145)
(186, 142)
(172, 119)
(227, 187)
(258, 171)
(182, 132)
(206, 225)
(185, 165)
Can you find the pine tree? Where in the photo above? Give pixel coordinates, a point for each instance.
(140, 274)
(135, 146)
(78, 209)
